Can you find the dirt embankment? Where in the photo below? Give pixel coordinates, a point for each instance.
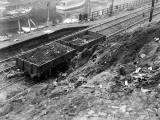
(114, 80)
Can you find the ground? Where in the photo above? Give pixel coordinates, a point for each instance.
(118, 81)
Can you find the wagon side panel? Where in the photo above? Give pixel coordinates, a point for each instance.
(31, 69)
(52, 63)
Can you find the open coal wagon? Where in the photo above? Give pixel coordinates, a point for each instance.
(83, 40)
(41, 61)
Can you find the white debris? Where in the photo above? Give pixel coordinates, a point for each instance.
(123, 108)
(71, 20)
(100, 12)
(150, 68)
(137, 70)
(48, 31)
(3, 38)
(126, 83)
(16, 40)
(55, 83)
(10, 75)
(156, 39)
(64, 74)
(144, 90)
(91, 112)
(81, 78)
(18, 70)
(142, 55)
(3, 96)
(100, 86)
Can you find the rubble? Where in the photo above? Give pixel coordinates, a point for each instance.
(6, 109)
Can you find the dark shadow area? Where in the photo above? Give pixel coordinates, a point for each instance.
(55, 73)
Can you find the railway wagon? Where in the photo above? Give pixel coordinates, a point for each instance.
(83, 40)
(41, 61)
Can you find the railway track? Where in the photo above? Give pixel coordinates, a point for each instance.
(6, 65)
(123, 25)
(133, 14)
(123, 22)
(110, 29)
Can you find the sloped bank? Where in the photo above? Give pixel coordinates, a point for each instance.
(124, 48)
(130, 63)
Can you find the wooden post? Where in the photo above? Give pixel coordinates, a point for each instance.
(151, 12)
(19, 26)
(29, 24)
(33, 23)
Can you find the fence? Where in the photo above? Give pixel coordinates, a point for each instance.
(118, 8)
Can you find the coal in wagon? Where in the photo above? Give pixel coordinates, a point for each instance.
(41, 61)
(83, 40)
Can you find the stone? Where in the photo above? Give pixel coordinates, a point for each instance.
(150, 68)
(144, 90)
(156, 39)
(123, 108)
(137, 70)
(142, 55)
(3, 96)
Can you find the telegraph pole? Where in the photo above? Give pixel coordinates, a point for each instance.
(151, 12)
(48, 19)
(89, 7)
(19, 26)
(111, 8)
